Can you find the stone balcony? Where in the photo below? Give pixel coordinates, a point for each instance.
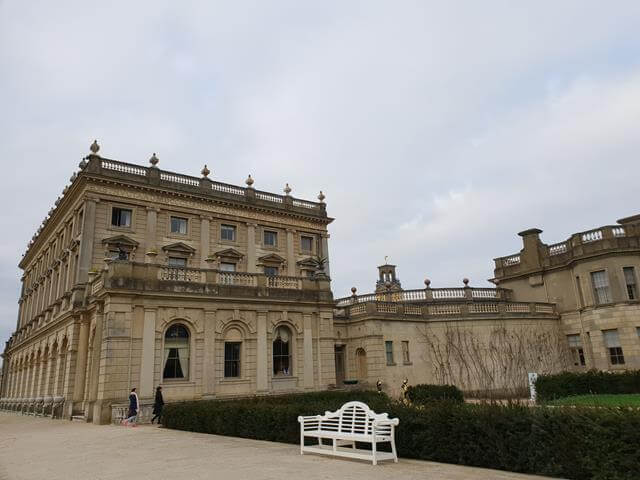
(121, 276)
(137, 174)
(537, 255)
(440, 303)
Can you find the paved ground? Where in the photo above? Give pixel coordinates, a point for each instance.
(39, 449)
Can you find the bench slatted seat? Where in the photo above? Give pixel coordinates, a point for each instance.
(353, 422)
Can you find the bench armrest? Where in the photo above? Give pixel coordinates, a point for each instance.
(386, 422)
(309, 418)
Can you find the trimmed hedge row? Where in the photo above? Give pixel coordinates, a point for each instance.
(550, 387)
(424, 393)
(574, 443)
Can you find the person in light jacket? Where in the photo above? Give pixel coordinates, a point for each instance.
(158, 405)
(134, 408)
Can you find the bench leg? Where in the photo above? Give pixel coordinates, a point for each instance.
(373, 450)
(393, 450)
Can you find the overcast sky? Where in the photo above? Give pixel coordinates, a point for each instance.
(436, 130)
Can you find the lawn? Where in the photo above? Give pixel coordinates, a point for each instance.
(602, 400)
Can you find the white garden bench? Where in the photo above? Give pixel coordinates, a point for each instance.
(353, 422)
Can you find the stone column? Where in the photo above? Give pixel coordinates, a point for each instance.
(148, 353)
(205, 237)
(261, 352)
(324, 245)
(251, 248)
(150, 236)
(209, 364)
(95, 361)
(44, 388)
(85, 256)
(308, 351)
(81, 361)
(57, 382)
(34, 378)
(291, 258)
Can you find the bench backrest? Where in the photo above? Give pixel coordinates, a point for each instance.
(352, 417)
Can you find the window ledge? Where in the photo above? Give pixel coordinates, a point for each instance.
(277, 378)
(115, 228)
(172, 382)
(232, 380)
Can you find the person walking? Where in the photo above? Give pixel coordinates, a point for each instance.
(134, 408)
(158, 405)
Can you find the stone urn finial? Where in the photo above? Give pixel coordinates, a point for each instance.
(353, 291)
(321, 197)
(153, 160)
(205, 171)
(249, 181)
(82, 164)
(427, 282)
(465, 281)
(95, 148)
(287, 189)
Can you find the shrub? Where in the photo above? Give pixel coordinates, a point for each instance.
(574, 443)
(550, 387)
(423, 393)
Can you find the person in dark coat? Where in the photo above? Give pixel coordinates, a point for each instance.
(158, 405)
(134, 407)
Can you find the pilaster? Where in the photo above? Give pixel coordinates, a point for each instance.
(261, 352)
(291, 260)
(208, 367)
(251, 248)
(148, 353)
(308, 351)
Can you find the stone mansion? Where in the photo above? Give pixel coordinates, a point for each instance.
(140, 277)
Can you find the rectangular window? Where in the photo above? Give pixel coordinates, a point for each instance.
(270, 238)
(600, 287)
(577, 352)
(388, 348)
(232, 359)
(179, 225)
(227, 267)
(306, 244)
(612, 342)
(177, 262)
(228, 233)
(630, 281)
(121, 217)
(405, 352)
(271, 271)
(638, 331)
(119, 255)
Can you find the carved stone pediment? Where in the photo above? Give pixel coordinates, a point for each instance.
(307, 263)
(272, 258)
(120, 240)
(179, 247)
(229, 253)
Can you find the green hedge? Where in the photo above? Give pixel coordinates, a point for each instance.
(550, 387)
(574, 443)
(423, 393)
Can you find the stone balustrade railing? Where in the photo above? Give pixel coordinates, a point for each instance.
(467, 309)
(203, 185)
(428, 295)
(610, 237)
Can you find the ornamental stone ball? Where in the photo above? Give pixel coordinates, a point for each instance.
(205, 171)
(249, 181)
(427, 282)
(321, 197)
(153, 160)
(353, 290)
(465, 281)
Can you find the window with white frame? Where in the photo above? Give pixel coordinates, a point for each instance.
(232, 359)
(179, 225)
(630, 282)
(388, 348)
(601, 287)
(270, 238)
(612, 342)
(177, 262)
(282, 351)
(228, 233)
(227, 267)
(121, 217)
(575, 347)
(306, 244)
(176, 352)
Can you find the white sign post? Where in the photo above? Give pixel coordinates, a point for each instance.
(532, 385)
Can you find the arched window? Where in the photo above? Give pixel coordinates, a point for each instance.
(282, 364)
(176, 352)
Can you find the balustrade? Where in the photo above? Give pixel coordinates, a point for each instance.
(278, 281)
(177, 178)
(180, 274)
(124, 167)
(591, 236)
(558, 248)
(238, 279)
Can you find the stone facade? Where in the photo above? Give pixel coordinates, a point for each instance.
(592, 278)
(141, 278)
